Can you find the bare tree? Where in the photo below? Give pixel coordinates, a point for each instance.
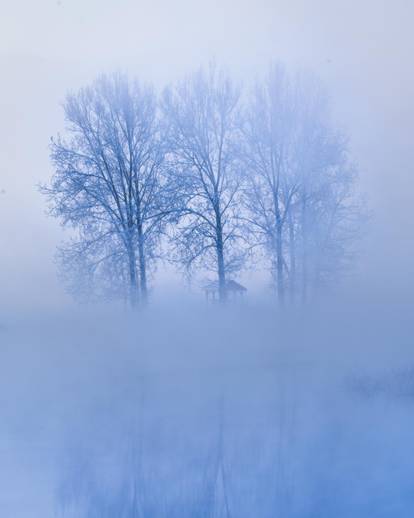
(108, 181)
(270, 158)
(94, 266)
(329, 211)
(299, 195)
(203, 133)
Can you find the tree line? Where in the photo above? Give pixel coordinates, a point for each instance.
(208, 175)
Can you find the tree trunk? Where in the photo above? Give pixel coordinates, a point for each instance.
(133, 281)
(142, 266)
(221, 270)
(279, 262)
(304, 250)
(292, 257)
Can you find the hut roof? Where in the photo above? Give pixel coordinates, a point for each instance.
(230, 286)
(235, 286)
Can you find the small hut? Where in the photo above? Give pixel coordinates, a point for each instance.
(234, 290)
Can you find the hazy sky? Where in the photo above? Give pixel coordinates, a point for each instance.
(361, 49)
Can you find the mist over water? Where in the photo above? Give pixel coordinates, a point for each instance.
(186, 411)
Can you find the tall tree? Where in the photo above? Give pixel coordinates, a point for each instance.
(269, 132)
(328, 210)
(300, 182)
(202, 117)
(108, 181)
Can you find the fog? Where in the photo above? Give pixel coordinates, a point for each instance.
(305, 414)
(186, 409)
(362, 53)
